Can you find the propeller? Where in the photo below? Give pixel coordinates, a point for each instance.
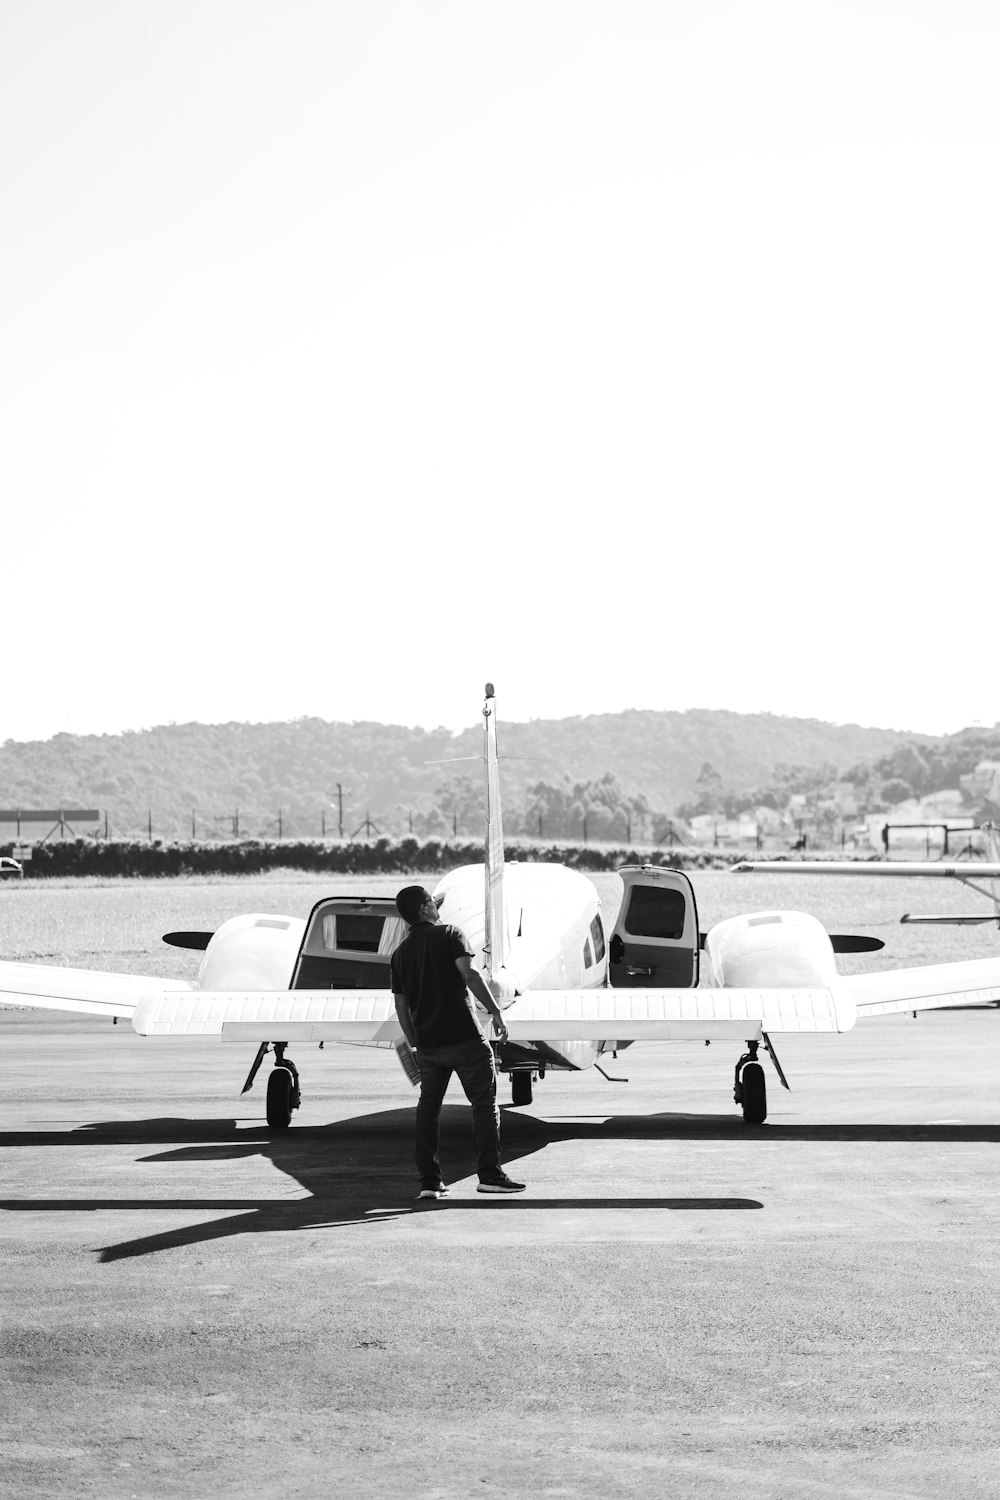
(199, 940)
(841, 942)
(852, 942)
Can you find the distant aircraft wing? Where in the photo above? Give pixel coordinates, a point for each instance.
(967, 873)
(83, 990)
(973, 869)
(964, 920)
(976, 981)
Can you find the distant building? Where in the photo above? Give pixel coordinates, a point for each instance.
(917, 826)
(769, 820)
(844, 797)
(712, 829)
(983, 784)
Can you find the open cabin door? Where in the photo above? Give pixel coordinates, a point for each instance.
(347, 944)
(655, 943)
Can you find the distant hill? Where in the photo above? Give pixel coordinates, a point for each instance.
(387, 770)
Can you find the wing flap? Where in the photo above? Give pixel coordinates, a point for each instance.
(673, 1015)
(86, 991)
(279, 1015)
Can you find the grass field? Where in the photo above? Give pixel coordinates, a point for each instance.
(117, 925)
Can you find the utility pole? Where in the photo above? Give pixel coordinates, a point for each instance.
(149, 824)
(539, 825)
(193, 834)
(323, 821)
(340, 811)
(236, 824)
(279, 822)
(585, 828)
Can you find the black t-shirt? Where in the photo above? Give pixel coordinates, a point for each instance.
(423, 969)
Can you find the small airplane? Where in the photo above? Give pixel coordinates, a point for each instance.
(967, 874)
(570, 995)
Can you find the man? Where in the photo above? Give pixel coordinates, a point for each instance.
(432, 975)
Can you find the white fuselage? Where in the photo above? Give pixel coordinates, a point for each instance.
(550, 914)
(552, 934)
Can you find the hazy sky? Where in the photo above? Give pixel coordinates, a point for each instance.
(628, 354)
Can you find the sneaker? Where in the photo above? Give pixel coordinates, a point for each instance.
(441, 1191)
(499, 1182)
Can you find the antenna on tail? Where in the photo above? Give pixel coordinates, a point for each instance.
(494, 946)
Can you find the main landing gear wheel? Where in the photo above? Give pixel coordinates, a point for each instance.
(750, 1090)
(520, 1087)
(280, 1088)
(754, 1094)
(283, 1093)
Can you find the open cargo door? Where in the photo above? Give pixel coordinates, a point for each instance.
(655, 943)
(347, 944)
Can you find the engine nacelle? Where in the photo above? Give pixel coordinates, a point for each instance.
(255, 952)
(770, 950)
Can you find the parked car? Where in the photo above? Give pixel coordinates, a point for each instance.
(10, 866)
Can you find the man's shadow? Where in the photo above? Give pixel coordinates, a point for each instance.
(359, 1170)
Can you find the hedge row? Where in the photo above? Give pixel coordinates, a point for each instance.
(379, 857)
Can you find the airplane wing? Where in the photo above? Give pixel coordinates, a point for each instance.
(161, 1007)
(86, 990)
(542, 1015)
(975, 981)
(710, 1014)
(606, 1014)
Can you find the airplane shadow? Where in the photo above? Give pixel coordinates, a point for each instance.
(359, 1170)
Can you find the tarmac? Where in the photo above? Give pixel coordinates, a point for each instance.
(678, 1304)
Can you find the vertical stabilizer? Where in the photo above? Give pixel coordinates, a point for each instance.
(496, 945)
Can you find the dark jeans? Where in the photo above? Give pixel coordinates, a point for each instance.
(473, 1062)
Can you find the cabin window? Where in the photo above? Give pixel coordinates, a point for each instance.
(597, 933)
(588, 957)
(655, 912)
(356, 934)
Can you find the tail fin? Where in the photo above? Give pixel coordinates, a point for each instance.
(495, 936)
